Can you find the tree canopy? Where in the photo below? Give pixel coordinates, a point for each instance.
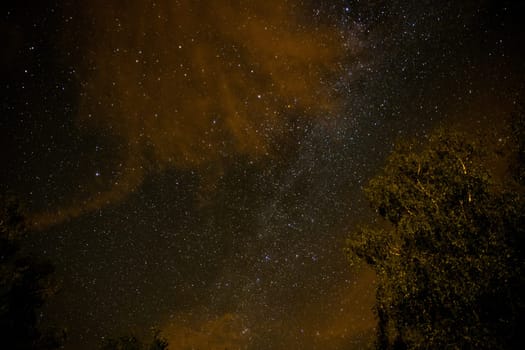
(131, 342)
(24, 286)
(449, 254)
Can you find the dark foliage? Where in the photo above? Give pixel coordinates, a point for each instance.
(450, 261)
(131, 342)
(24, 287)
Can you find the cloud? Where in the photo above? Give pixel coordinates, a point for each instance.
(340, 319)
(222, 332)
(188, 84)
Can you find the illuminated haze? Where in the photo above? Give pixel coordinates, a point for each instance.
(188, 84)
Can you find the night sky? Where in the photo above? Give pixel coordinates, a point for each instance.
(196, 166)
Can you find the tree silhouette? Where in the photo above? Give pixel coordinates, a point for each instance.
(131, 342)
(449, 256)
(24, 286)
